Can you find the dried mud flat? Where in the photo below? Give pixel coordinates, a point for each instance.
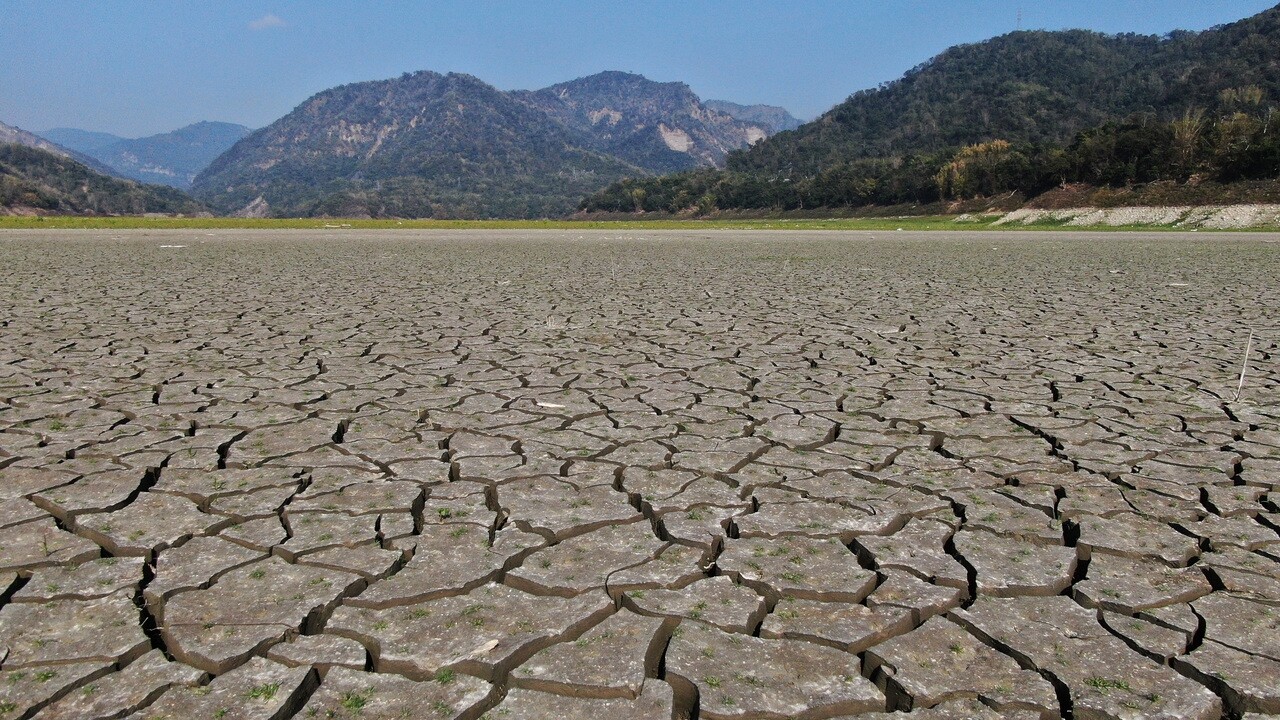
(521, 475)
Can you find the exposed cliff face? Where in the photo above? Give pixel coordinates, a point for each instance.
(658, 126)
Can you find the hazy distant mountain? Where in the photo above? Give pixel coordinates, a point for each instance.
(35, 180)
(85, 141)
(172, 158)
(13, 135)
(421, 145)
(660, 127)
(771, 117)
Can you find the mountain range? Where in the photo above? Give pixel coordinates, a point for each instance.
(431, 145)
(1017, 114)
(172, 158)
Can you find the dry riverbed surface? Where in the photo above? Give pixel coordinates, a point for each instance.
(688, 474)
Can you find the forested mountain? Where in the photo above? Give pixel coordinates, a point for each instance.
(36, 180)
(660, 127)
(1036, 87)
(172, 158)
(431, 145)
(1026, 111)
(771, 117)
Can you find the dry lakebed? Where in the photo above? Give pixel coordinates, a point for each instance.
(721, 475)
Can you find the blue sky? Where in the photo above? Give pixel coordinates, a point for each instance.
(135, 68)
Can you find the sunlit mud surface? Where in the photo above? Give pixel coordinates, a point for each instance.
(564, 475)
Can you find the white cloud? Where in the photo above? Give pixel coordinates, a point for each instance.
(265, 22)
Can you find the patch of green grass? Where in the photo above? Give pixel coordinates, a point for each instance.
(917, 223)
(1105, 685)
(264, 692)
(355, 701)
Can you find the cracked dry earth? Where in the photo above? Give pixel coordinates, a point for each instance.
(715, 475)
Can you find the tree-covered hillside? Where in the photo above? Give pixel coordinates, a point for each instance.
(1034, 87)
(35, 180)
(1023, 112)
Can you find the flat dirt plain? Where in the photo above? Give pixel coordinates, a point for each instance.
(643, 475)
